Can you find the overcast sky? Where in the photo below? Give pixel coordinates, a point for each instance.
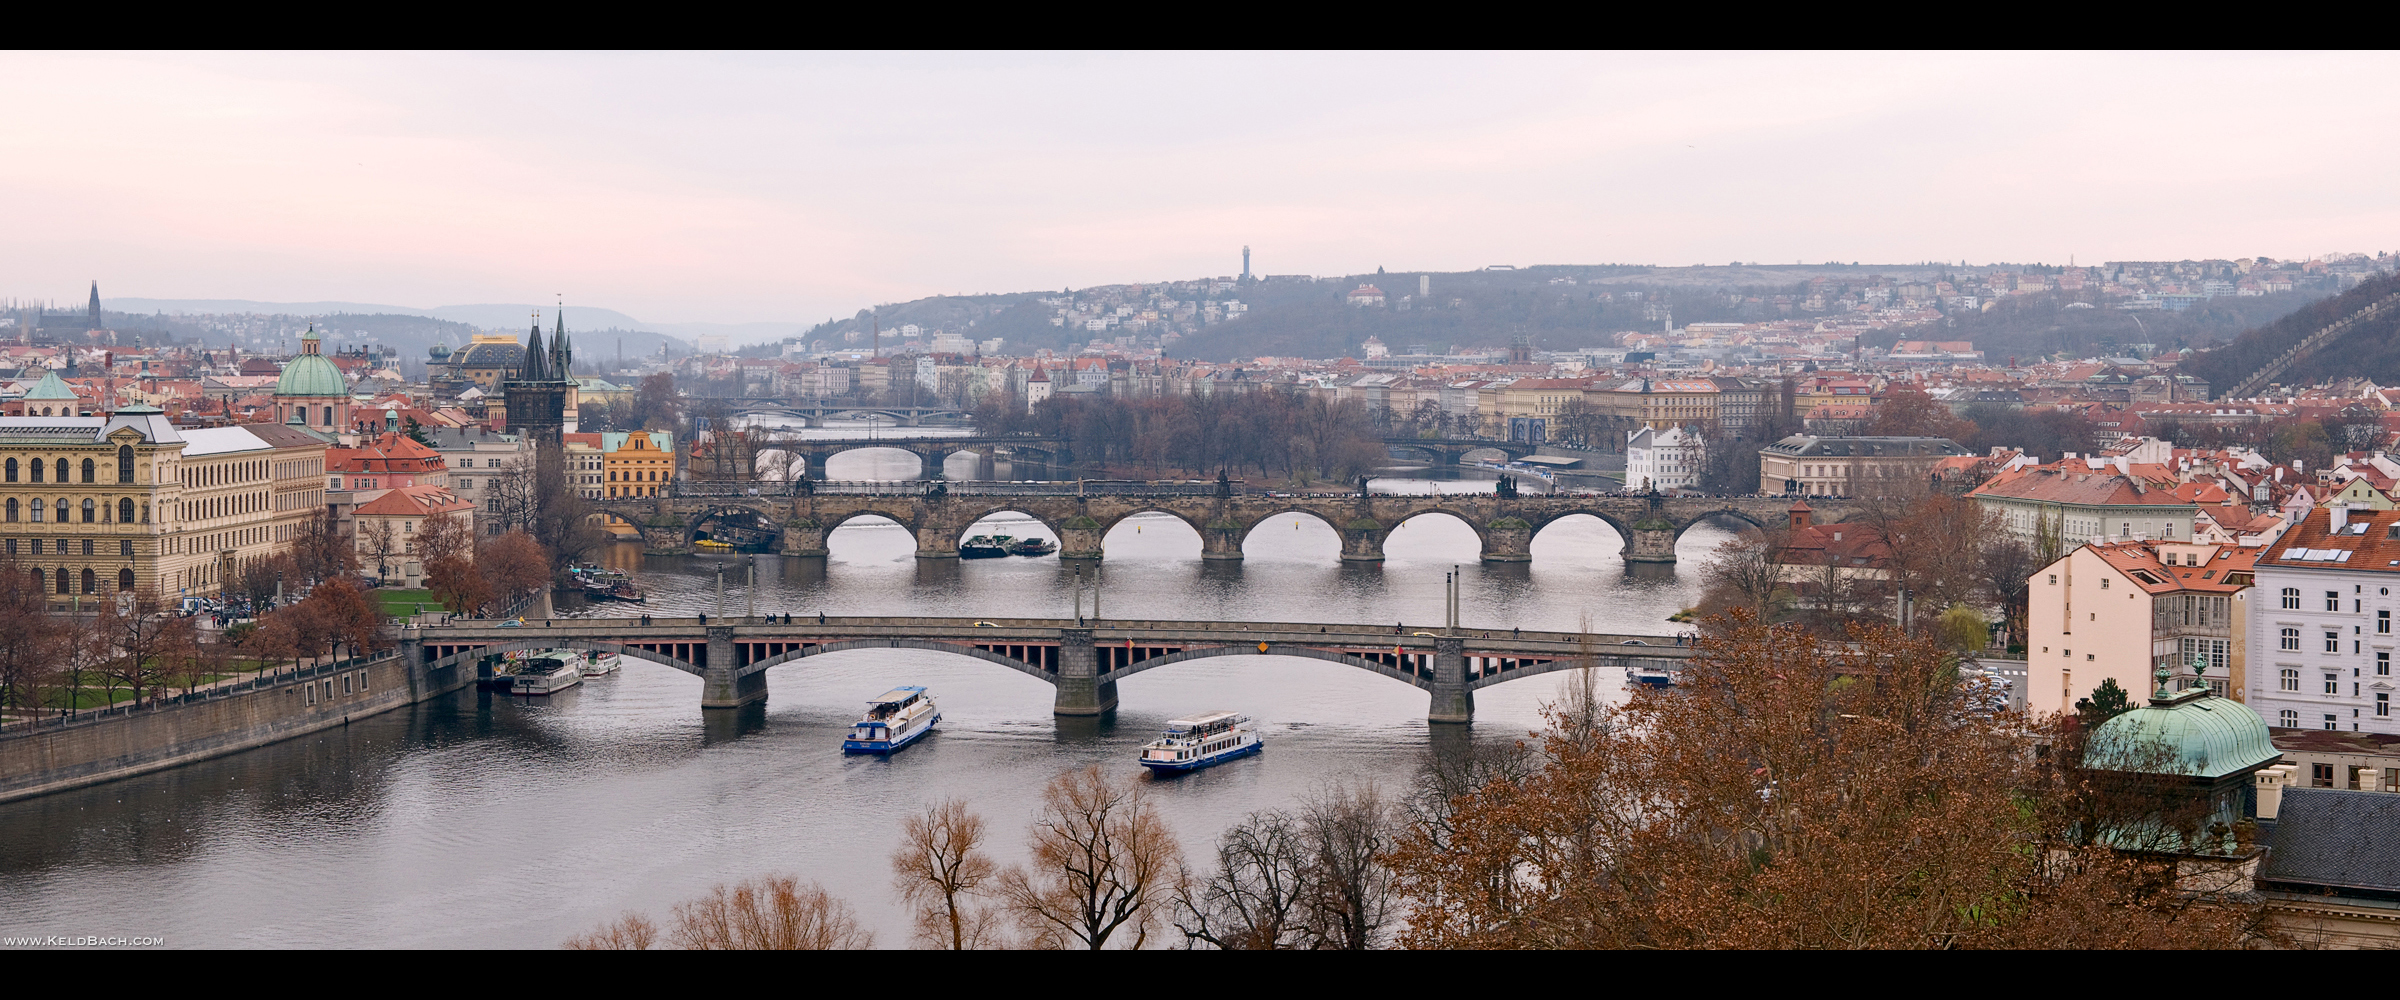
(682, 188)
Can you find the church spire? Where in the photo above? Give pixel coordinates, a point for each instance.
(95, 308)
(562, 355)
(536, 367)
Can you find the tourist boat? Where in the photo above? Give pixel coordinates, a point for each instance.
(545, 673)
(1657, 677)
(894, 719)
(981, 547)
(624, 590)
(1201, 741)
(610, 585)
(713, 545)
(599, 664)
(1034, 547)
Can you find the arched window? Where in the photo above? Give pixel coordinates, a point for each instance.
(12, 508)
(89, 471)
(37, 469)
(12, 470)
(125, 511)
(62, 510)
(91, 582)
(124, 580)
(62, 470)
(90, 510)
(329, 416)
(37, 510)
(125, 463)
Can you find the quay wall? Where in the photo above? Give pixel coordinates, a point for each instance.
(123, 743)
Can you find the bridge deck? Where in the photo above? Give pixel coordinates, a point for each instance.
(1103, 630)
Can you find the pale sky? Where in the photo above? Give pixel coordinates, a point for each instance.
(714, 188)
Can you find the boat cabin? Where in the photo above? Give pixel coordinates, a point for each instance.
(889, 703)
(1203, 726)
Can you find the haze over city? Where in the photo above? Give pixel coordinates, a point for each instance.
(756, 188)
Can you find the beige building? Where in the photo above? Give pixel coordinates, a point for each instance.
(1658, 404)
(1851, 466)
(2121, 610)
(246, 492)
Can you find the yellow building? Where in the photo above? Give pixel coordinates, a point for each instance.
(637, 463)
(1659, 404)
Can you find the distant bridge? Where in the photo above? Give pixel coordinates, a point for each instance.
(814, 414)
(940, 515)
(1449, 451)
(932, 450)
(1082, 659)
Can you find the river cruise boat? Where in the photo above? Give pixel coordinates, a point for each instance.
(545, 673)
(1201, 741)
(982, 547)
(894, 719)
(599, 664)
(1034, 547)
(1657, 677)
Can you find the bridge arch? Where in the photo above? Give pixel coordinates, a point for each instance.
(1111, 524)
(471, 655)
(1482, 534)
(904, 517)
(1277, 649)
(1057, 534)
(933, 645)
(1605, 661)
(1617, 524)
(1259, 523)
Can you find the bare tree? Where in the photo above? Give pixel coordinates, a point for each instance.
(773, 913)
(380, 539)
(1349, 899)
(631, 932)
(1102, 861)
(940, 862)
(1252, 902)
(29, 639)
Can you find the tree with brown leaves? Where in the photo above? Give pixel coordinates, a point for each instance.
(346, 616)
(939, 866)
(29, 640)
(447, 544)
(1790, 793)
(772, 913)
(1102, 861)
(515, 566)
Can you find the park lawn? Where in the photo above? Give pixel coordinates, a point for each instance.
(398, 603)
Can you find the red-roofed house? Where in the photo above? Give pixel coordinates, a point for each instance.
(386, 528)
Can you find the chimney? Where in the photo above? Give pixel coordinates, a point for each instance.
(2271, 783)
(2340, 517)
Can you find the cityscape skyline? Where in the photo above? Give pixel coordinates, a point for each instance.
(810, 186)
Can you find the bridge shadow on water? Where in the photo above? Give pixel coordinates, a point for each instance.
(720, 726)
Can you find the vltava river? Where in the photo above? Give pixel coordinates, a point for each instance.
(481, 821)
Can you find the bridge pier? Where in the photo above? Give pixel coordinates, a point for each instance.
(1650, 543)
(937, 539)
(719, 687)
(1081, 690)
(1362, 541)
(1079, 537)
(665, 535)
(803, 536)
(1221, 541)
(1453, 700)
(1508, 540)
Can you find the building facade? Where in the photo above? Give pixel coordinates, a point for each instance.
(2324, 641)
(1671, 459)
(1852, 466)
(2122, 610)
(637, 463)
(90, 506)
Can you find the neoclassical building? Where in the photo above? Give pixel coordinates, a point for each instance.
(86, 502)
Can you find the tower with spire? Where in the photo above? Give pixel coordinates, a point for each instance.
(95, 306)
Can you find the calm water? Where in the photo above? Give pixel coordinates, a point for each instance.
(476, 821)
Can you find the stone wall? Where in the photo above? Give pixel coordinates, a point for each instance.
(139, 741)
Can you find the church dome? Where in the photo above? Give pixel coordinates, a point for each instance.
(439, 352)
(311, 374)
(2189, 732)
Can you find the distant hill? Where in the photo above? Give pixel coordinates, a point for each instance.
(2372, 351)
(271, 326)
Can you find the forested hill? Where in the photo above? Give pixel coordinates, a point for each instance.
(2371, 351)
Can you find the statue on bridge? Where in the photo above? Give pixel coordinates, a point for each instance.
(1506, 487)
(1224, 484)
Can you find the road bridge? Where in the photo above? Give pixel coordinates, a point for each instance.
(939, 515)
(1450, 451)
(814, 414)
(1082, 659)
(931, 450)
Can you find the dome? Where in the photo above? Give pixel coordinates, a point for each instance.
(439, 352)
(311, 375)
(2190, 732)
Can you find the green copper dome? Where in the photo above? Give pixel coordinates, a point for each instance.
(2189, 732)
(311, 374)
(50, 387)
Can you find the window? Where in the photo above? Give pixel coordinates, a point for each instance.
(2333, 600)
(2291, 598)
(2291, 639)
(124, 580)
(2333, 641)
(2383, 664)
(87, 546)
(124, 546)
(62, 470)
(2288, 719)
(2320, 775)
(2331, 725)
(2383, 705)
(2333, 684)
(125, 510)
(91, 582)
(125, 463)
(2291, 679)
(90, 510)
(2383, 623)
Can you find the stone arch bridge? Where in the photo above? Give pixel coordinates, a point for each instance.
(815, 414)
(1650, 525)
(930, 450)
(1083, 660)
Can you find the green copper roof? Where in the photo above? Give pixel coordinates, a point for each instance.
(50, 387)
(2188, 732)
(311, 375)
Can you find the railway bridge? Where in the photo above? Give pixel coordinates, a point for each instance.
(940, 515)
(1082, 659)
(814, 414)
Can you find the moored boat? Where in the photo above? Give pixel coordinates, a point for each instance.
(597, 664)
(1201, 741)
(894, 719)
(544, 673)
(1034, 547)
(981, 547)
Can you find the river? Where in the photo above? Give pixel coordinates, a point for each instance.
(481, 821)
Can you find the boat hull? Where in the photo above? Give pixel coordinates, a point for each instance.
(880, 747)
(1180, 766)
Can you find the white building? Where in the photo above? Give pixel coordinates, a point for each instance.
(2321, 639)
(1664, 460)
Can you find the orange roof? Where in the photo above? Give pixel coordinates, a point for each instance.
(390, 453)
(414, 501)
(2141, 563)
(2370, 541)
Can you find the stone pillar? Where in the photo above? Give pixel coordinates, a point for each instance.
(931, 461)
(1362, 541)
(803, 535)
(1081, 691)
(1221, 540)
(1653, 541)
(1507, 539)
(1453, 701)
(1079, 537)
(665, 535)
(719, 687)
(412, 658)
(936, 539)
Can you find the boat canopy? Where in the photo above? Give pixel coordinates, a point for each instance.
(896, 696)
(1212, 722)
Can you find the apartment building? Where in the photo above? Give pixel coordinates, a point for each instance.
(1852, 466)
(475, 458)
(1659, 404)
(637, 463)
(584, 467)
(1671, 459)
(2121, 610)
(2085, 500)
(2323, 641)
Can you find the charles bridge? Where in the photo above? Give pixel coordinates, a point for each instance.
(933, 450)
(1080, 516)
(1083, 659)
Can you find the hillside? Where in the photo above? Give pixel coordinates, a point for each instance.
(2371, 352)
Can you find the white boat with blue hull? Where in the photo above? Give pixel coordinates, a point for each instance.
(1201, 741)
(895, 719)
